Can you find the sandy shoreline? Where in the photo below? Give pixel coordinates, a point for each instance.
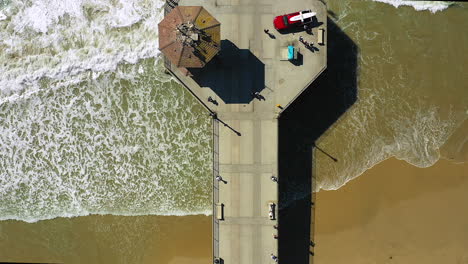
(396, 213)
(393, 213)
(108, 239)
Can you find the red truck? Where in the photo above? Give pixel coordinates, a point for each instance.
(293, 20)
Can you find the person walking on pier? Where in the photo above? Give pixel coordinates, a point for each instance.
(213, 101)
(273, 257)
(273, 178)
(219, 178)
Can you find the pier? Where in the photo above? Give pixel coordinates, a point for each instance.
(249, 87)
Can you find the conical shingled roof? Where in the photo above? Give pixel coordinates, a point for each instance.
(189, 36)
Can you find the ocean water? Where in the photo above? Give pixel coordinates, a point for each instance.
(432, 6)
(412, 88)
(89, 123)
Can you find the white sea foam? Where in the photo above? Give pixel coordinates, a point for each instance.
(85, 213)
(433, 6)
(86, 126)
(397, 114)
(123, 143)
(415, 139)
(62, 39)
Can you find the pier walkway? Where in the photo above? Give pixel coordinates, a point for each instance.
(245, 131)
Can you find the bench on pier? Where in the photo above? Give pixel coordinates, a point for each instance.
(321, 37)
(219, 211)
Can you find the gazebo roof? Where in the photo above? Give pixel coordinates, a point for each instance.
(189, 36)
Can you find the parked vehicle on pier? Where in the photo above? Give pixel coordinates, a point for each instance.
(293, 20)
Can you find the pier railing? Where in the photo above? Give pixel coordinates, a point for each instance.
(167, 63)
(169, 5)
(215, 186)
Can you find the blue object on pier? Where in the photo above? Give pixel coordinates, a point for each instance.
(290, 52)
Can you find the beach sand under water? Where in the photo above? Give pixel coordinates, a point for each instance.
(393, 213)
(396, 213)
(412, 105)
(108, 239)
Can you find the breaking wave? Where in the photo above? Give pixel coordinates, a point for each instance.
(407, 108)
(61, 39)
(110, 145)
(415, 138)
(433, 6)
(89, 123)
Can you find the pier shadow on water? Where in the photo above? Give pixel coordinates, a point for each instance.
(301, 124)
(234, 74)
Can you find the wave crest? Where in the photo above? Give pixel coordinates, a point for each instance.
(433, 6)
(109, 145)
(60, 40)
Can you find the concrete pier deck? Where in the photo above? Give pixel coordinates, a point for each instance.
(246, 129)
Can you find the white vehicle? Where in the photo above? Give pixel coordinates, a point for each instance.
(303, 16)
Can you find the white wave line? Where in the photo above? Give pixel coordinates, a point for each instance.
(433, 6)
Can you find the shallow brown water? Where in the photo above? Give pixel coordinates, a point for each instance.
(396, 213)
(412, 89)
(413, 99)
(108, 239)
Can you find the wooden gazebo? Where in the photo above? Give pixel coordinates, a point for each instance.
(189, 36)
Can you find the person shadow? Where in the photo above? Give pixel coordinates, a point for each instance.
(258, 96)
(312, 48)
(213, 101)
